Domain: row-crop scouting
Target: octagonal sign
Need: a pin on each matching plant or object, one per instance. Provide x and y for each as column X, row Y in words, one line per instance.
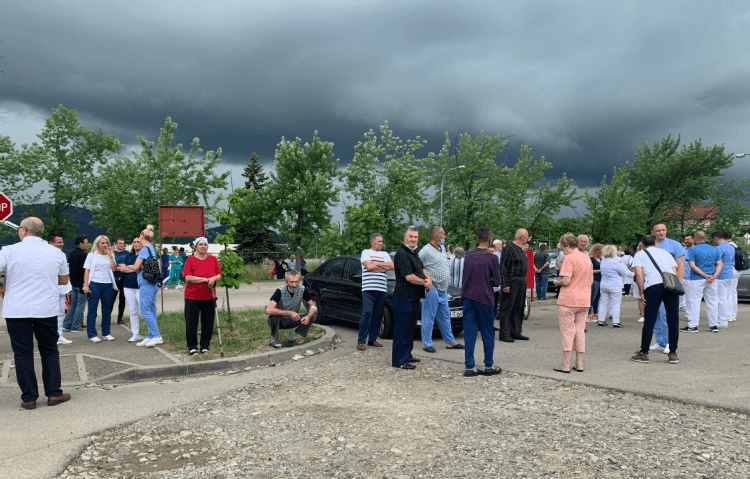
column 6, row 207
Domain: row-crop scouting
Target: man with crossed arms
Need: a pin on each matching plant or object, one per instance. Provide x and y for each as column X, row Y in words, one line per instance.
column 705, row 264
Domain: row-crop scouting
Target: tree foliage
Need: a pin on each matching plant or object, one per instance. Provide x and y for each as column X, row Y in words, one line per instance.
column 384, row 172
column 67, row 160
column 252, row 233
column 302, row 190
column 130, row 191
column 468, row 192
column 617, row 212
column 359, row 223
column 256, row 179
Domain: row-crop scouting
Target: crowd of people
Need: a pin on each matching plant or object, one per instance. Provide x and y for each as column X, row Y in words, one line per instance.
column 492, row 277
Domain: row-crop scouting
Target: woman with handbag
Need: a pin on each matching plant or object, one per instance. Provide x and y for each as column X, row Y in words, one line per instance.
column 657, row 283
column 99, row 285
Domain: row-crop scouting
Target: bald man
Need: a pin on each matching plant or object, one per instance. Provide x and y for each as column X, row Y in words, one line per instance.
column 513, row 268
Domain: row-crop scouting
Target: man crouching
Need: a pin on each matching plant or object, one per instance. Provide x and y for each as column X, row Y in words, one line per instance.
column 283, row 310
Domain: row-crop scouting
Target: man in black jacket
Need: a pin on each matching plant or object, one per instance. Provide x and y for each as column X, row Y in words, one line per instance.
column 76, row 258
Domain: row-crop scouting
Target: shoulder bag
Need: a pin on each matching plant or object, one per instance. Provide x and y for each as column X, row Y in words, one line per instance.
column 671, row 282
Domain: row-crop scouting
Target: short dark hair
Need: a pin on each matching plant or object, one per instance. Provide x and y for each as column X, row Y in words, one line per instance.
column 484, row 235
column 727, row 235
column 717, row 234
column 182, row 250
column 629, row 251
column 120, row 239
column 686, row 235
column 649, row 240
column 80, row 239
column 52, row 238
column 657, row 222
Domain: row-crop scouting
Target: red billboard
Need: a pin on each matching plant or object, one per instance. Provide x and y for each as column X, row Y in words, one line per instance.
column 181, row 221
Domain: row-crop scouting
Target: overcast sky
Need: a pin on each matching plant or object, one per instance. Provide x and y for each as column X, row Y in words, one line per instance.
column 582, row 83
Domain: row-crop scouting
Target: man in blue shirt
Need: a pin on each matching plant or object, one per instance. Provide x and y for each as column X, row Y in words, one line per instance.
column 661, row 331
column 705, row 267
column 724, row 279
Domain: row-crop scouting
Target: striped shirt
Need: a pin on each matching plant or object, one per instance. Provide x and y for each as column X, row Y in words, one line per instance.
column 374, row 281
column 436, row 264
column 513, row 264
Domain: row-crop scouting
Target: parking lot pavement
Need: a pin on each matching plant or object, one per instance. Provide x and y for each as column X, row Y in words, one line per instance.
column 713, row 368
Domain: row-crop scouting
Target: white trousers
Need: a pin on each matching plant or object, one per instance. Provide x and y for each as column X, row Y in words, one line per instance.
column 702, row 289
column 724, row 300
column 60, row 316
column 133, row 302
column 609, row 304
column 686, row 284
column 732, row 295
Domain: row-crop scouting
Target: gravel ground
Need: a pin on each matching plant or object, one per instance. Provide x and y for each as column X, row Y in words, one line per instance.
column 355, row 416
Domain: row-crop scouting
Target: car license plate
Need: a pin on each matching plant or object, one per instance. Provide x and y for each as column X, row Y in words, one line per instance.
column 457, row 313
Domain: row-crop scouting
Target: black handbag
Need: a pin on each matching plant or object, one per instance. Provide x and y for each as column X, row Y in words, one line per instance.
column 671, row 282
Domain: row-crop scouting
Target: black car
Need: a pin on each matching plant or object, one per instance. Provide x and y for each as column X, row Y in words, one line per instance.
column 336, row 289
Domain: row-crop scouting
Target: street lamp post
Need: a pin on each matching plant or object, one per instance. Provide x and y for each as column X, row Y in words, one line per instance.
column 741, row 155
column 441, row 191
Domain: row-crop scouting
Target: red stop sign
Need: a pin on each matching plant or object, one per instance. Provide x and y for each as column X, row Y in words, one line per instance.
column 6, row 207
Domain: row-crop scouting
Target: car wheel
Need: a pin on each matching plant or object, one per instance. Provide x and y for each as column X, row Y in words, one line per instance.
column 319, row 317
column 386, row 326
column 526, row 308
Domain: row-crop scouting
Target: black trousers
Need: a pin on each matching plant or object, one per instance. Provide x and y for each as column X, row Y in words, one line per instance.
column 626, row 289
column 119, row 294
column 511, row 307
column 203, row 308
column 22, row 332
column 285, row 322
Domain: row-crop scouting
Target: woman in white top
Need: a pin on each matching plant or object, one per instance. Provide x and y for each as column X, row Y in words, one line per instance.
column 99, row 284
column 613, row 273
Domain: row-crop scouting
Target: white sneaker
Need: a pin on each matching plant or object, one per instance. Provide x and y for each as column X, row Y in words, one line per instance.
column 109, row 337
column 95, row 339
column 732, row 319
column 654, row 347
column 666, row 349
column 723, row 326
column 158, row 340
column 136, row 337
column 145, row 342
column 178, row 287
column 641, row 320
column 62, row 340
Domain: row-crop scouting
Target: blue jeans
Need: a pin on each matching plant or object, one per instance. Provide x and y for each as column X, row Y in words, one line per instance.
column 661, row 331
column 594, row 309
column 100, row 292
column 656, row 299
column 74, row 316
column 147, row 298
column 435, row 306
column 404, row 322
column 542, row 280
column 482, row 317
column 373, row 303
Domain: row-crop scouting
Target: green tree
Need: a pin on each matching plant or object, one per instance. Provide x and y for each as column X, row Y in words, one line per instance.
column 360, row 223
column 252, row 234
column 468, row 192
column 525, row 200
column 384, row 172
column 256, row 179
column 617, row 212
column 15, row 177
column 67, row 161
column 302, row 190
column 129, row 191
column 677, row 178
column 231, row 263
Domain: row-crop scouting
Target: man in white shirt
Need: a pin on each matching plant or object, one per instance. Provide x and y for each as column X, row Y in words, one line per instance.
column 375, row 265
column 652, row 295
column 34, row 270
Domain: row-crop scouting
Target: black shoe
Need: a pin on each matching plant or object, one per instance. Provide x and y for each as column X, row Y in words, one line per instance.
column 519, row 337
column 430, row 349
column 640, row 357
column 602, row 323
column 491, row 371
column 618, row 325
column 471, row 372
column 713, row 329
column 456, row 346
column 507, row 339
column 120, row 321
column 192, row 351
column 688, row 329
column 413, row 360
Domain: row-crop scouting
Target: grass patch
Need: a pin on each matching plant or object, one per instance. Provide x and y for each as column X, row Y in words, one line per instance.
column 257, row 273
column 251, row 334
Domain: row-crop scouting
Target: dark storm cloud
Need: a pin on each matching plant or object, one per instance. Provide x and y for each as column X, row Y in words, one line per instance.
column 582, row 83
